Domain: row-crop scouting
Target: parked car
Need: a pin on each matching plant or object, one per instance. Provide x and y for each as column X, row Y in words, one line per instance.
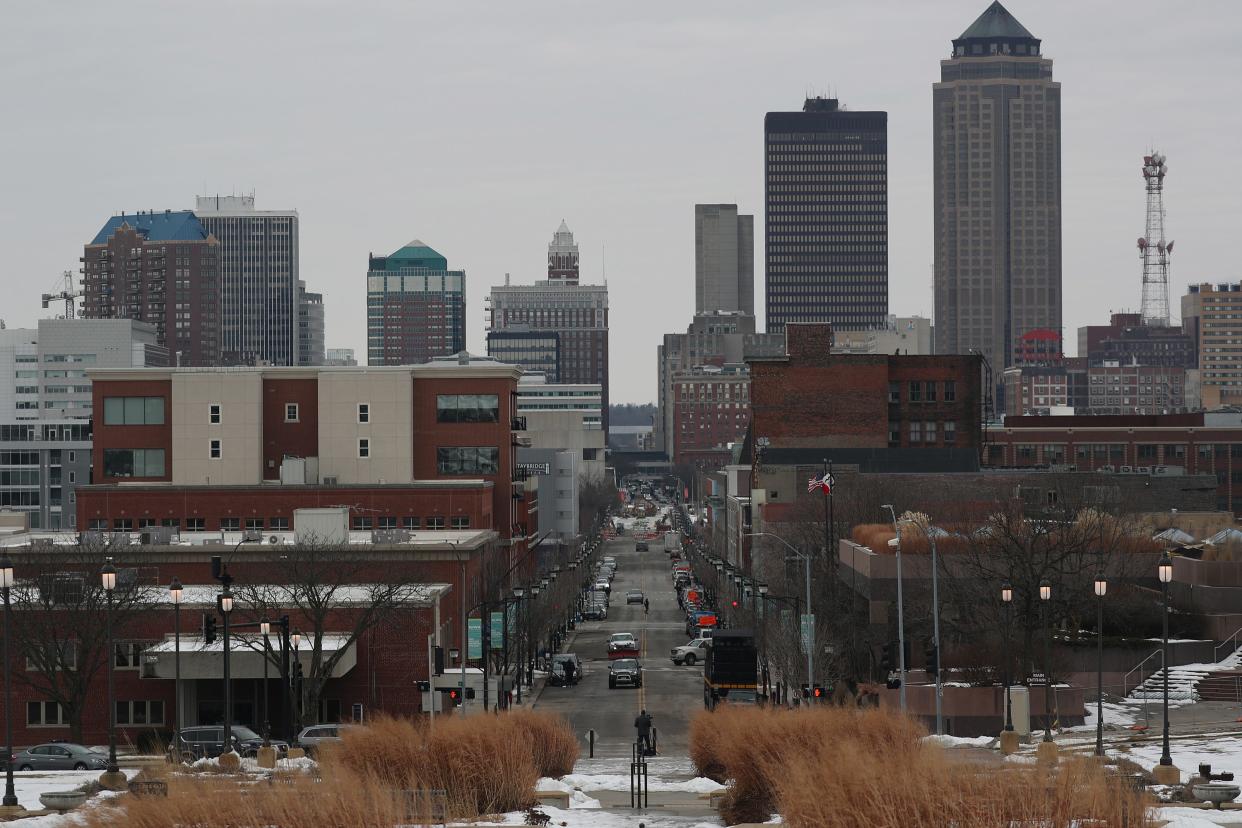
column 692, row 652
column 208, row 741
column 59, row 756
column 602, row 585
column 641, row 546
column 312, row 737
column 595, row 612
column 625, row 671
column 634, row 596
column 558, row 675
column 610, row 561
column 699, row 620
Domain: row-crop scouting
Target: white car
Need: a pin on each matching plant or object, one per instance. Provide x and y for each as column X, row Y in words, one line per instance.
column 622, row 641
column 691, row 653
column 603, row 586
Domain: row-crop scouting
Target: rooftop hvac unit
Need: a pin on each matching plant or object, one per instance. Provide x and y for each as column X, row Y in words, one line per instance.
column 1142, row 469
column 1126, row 470
column 1107, row 469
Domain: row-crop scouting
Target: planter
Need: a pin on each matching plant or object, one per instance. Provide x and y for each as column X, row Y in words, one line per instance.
column 1215, row 792
column 65, row 800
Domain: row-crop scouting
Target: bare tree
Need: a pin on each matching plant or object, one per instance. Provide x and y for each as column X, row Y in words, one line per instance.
column 596, row 495
column 333, row 590
column 60, row 616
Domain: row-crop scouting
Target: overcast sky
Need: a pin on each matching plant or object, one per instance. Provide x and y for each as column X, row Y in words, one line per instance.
column 478, row 126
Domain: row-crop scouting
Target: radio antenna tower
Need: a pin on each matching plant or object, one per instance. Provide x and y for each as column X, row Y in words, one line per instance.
column 1152, row 248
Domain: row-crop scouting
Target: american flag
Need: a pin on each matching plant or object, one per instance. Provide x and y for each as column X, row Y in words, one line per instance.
column 825, row 483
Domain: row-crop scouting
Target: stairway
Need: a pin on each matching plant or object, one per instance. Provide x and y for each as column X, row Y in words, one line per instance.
column 1220, row 685
column 1186, row 681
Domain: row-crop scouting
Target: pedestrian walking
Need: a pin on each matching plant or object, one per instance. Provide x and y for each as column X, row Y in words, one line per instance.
column 646, row 605
column 643, row 725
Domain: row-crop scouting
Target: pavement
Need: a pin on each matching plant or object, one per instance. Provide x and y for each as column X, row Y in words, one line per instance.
column 671, row 694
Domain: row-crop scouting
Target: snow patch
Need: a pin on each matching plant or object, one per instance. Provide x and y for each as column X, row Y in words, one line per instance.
column 960, row 741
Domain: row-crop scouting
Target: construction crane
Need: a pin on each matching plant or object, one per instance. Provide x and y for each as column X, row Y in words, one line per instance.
column 67, row 294
column 1153, row 249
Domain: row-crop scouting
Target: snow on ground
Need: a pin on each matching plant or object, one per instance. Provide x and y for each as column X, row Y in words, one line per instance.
column 619, row 782
column 1223, row 753
column 1115, row 715
column 1196, row 818
column 29, row 784
column 960, row 741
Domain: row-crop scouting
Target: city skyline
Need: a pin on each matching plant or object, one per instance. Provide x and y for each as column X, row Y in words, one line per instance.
column 485, row 184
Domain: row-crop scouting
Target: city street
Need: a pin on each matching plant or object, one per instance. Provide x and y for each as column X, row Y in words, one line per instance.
column 671, row 694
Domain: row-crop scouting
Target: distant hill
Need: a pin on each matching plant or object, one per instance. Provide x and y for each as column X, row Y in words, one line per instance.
column 627, row 414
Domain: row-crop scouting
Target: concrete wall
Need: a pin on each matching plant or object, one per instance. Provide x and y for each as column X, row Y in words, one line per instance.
column 240, row 430
column 389, row 397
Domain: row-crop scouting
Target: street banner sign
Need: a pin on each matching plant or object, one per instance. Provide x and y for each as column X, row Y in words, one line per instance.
column 474, row 638
column 808, row 631
column 498, row 630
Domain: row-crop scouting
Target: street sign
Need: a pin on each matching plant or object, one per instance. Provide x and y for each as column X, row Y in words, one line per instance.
column 498, row 630
column 474, row 638
column 808, row 631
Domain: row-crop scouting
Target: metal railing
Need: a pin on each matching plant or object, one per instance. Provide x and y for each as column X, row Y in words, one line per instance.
column 1231, row 640
column 1143, row 676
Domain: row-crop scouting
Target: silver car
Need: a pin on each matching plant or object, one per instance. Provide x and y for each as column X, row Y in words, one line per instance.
column 59, row 756
column 312, row 737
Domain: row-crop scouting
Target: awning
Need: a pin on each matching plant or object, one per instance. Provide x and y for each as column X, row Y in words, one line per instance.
column 206, row 661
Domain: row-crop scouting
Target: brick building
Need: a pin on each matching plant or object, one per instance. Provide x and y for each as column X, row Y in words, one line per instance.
column 711, row 409
column 813, row 398
column 416, row 307
column 376, row 673
column 161, row 268
column 1126, row 339
column 427, row 446
column 1162, row 445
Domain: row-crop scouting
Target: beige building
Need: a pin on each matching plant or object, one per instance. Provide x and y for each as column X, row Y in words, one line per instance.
column 997, row 169
column 1212, row 315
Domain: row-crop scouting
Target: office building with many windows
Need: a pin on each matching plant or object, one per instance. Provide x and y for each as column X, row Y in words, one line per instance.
column 826, row 185
column 724, row 259
column 534, row 350
column 416, row 307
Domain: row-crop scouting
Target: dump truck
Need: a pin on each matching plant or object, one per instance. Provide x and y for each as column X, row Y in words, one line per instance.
column 731, row 668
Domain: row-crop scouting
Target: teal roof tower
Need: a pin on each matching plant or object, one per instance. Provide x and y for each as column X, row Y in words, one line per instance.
column 996, row 31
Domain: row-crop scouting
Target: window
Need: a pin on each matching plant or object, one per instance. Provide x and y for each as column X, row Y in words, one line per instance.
column 916, row 432
column 929, row 431
column 929, row 391
column 894, row 432
column 195, row 524
column 467, row 460
column 388, row 523
column 950, row 390
column 133, row 411
column 127, row 655
column 410, row 522
column 950, row 431
column 1146, row 451
column 894, row 392
column 171, row 523
column 254, row 524
column 291, row 412
column 62, row 655
column 73, row 477
column 97, row 525
column 279, row 524
column 140, row 712
column 916, row 391
column 215, row 450
column 364, row 447
column 461, row 521
column 45, row 714
column 133, row 462
column 435, row 523
column 364, row 412
column 230, row 524
column 467, row 408
column 213, row 413
column 363, row 523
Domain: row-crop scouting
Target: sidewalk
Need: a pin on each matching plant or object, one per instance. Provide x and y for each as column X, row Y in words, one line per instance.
column 530, row 695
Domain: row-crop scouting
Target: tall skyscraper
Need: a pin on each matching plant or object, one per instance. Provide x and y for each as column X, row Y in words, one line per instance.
column 997, row 167
column 579, row 313
column 416, row 307
column 162, row 268
column 724, row 259
column 310, row 326
column 826, row 185
column 258, row 279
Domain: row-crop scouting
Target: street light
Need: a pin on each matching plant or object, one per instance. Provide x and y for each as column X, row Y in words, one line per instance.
column 6, row 583
column 518, row 592
column 175, row 593
column 1165, row 571
column 1101, row 588
column 1045, row 595
column 265, row 627
column 225, row 600
column 1007, row 599
column 901, row 621
column 107, row 578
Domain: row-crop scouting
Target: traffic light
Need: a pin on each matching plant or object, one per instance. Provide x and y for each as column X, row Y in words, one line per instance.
column 818, row 691
column 297, row 671
column 933, row 658
column 886, row 657
column 454, row 697
column 469, row 693
column 424, row 686
column 735, row 603
column 209, row 628
column 439, row 661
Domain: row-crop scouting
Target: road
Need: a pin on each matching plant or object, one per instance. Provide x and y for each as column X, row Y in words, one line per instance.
column 671, row 694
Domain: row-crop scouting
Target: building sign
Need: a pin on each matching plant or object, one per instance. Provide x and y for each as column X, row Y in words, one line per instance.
column 533, row 469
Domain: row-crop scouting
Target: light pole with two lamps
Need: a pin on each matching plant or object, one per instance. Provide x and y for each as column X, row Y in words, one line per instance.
column 1009, row 737
column 175, row 594
column 224, row 602
column 901, row 621
column 1047, row 750
column 112, row 778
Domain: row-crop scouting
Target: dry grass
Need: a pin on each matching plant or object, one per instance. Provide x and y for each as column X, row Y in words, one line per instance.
column 485, row 765
column 834, row 767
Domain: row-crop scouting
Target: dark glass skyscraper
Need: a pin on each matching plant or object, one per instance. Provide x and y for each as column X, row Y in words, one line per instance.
column 826, row 185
